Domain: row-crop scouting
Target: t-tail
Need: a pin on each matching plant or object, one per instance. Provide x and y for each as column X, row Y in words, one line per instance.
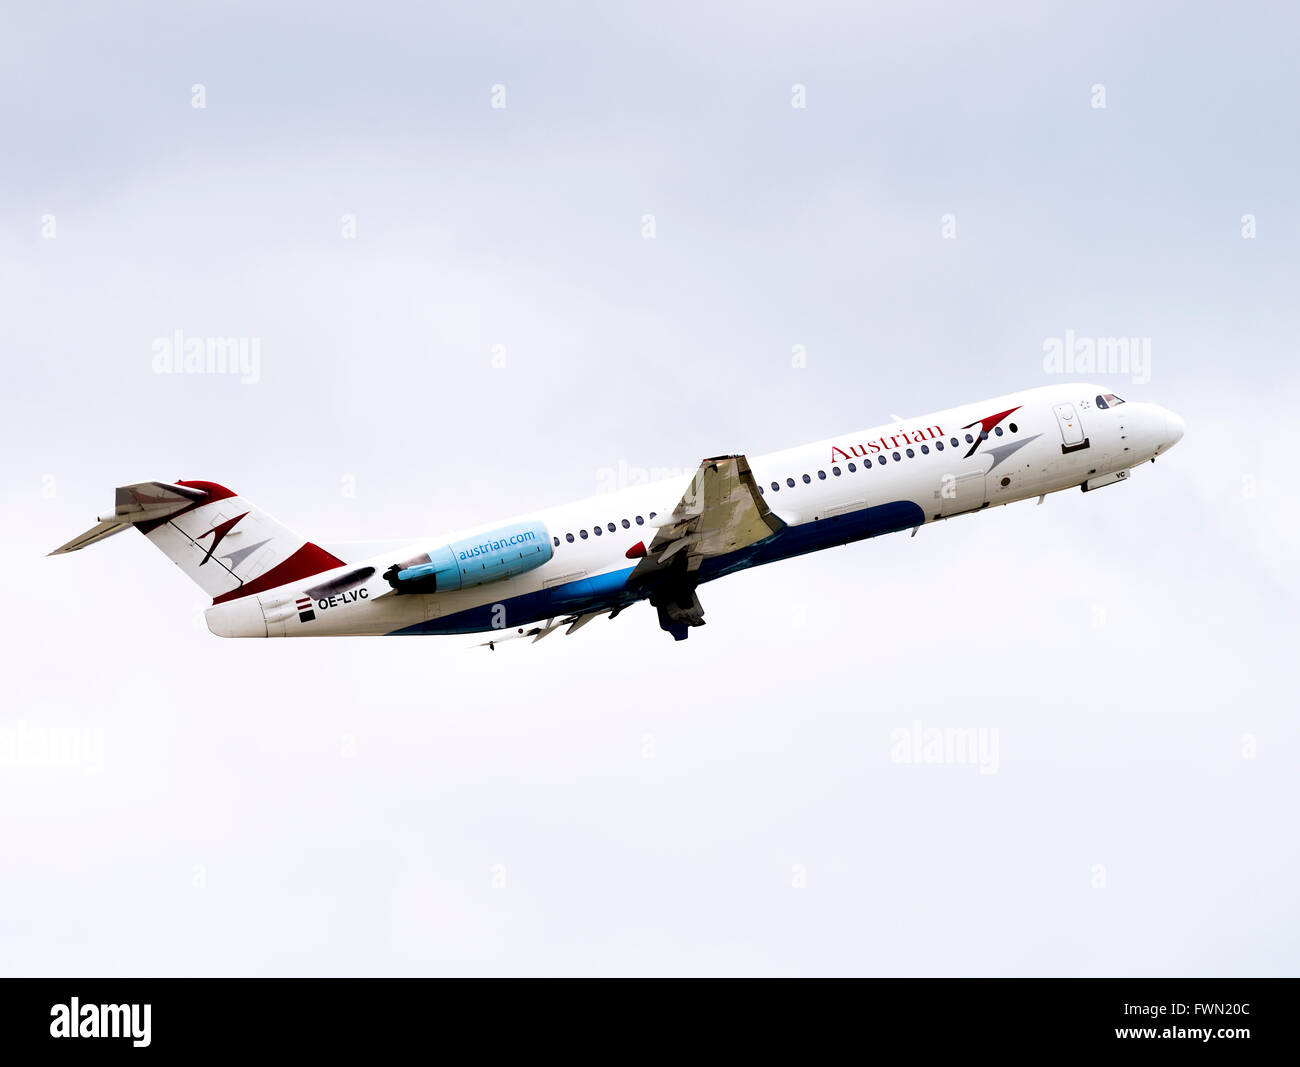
column 228, row 546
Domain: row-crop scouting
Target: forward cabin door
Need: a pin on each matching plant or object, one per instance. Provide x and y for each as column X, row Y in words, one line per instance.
column 1072, row 437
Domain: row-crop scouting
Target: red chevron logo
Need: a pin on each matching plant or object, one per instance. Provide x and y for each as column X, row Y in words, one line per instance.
column 986, row 427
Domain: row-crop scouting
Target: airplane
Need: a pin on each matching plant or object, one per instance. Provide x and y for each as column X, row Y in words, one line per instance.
column 562, row 567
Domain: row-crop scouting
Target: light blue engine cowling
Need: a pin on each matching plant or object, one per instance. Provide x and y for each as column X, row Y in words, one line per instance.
column 486, row 557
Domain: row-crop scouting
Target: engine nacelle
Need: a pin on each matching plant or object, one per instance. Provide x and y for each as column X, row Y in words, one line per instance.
column 486, row 557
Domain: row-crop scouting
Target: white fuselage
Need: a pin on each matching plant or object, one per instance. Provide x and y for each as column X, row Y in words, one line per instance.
column 849, row 487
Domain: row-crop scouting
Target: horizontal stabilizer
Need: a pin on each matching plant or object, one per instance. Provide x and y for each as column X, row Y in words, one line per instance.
column 95, row 533
column 142, row 502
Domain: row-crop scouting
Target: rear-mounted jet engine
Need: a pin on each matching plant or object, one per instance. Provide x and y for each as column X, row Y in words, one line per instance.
column 477, row 560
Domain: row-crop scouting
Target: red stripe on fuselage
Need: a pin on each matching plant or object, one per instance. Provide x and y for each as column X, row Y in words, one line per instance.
column 307, row 561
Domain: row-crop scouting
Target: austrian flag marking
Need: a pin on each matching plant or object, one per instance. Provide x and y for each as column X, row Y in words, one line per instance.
column 305, row 613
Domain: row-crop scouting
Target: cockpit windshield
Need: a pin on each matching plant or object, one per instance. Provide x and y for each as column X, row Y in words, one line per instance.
column 1109, row 400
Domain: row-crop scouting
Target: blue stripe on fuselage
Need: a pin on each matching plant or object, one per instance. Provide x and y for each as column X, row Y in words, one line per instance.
column 572, row 598
column 606, row 590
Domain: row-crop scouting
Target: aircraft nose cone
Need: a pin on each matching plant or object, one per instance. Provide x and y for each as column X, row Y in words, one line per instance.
column 1173, row 429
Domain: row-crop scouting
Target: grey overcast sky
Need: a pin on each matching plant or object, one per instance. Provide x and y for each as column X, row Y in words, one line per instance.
column 500, row 327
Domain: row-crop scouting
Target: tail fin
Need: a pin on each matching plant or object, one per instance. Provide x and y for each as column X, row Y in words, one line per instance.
column 227, row 545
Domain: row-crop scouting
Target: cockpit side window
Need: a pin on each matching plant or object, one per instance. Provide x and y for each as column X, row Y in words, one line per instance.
column 1109, row 400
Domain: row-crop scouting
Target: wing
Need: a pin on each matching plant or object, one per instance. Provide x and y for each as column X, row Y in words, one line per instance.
column 540, row 629
column 722, row 512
